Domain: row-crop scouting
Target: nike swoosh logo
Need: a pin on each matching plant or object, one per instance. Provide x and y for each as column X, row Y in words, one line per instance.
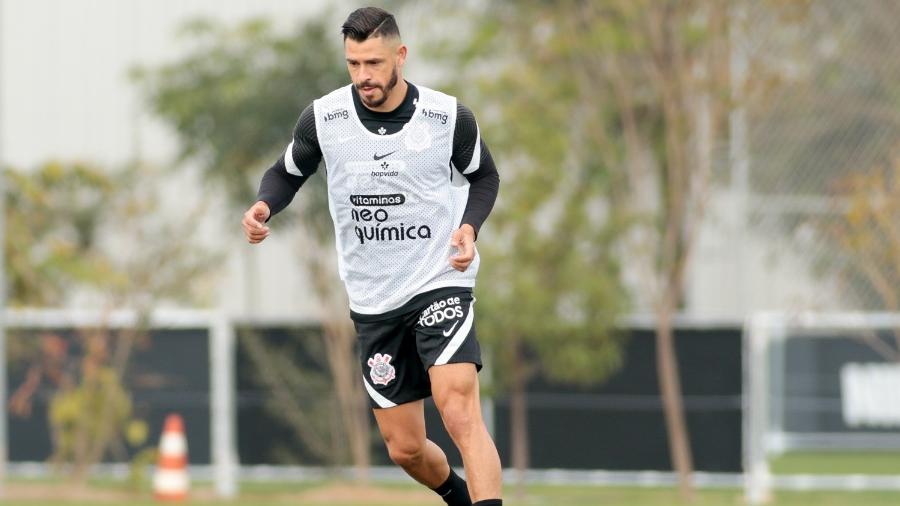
column 382, row 156
column 448, row 332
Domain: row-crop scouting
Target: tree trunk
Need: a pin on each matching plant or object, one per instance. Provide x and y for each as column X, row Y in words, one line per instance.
column 340, row 340
column 670, row 387
column 124, row 345
column 282, row 378
column 518, row 406
column 92, row 446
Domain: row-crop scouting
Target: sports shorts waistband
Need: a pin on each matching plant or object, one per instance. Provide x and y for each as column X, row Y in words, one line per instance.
column 414, row 304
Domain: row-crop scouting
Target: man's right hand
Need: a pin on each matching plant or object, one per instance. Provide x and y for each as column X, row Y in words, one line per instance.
column 254, row 222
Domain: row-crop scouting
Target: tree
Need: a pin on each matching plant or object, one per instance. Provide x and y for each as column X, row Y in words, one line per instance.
column 76, row 229
column 867, row 239
column 233, row 101
column 53, row 215
column 836, row 75
column 68, row 227
column 550, row 283
column 627, row 100
column 836, row 171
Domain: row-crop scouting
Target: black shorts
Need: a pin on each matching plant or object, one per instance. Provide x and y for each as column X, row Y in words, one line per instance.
column 398, row 347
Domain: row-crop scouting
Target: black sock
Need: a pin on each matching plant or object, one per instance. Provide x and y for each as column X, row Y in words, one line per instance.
column 454, row 491
column 489, row 502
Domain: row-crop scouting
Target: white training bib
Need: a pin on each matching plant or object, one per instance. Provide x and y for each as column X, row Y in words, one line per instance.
column 392, row 200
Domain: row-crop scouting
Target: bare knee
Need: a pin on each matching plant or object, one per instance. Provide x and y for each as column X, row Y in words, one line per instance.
column 406, row 453
column 461, row 418
column 455, row 389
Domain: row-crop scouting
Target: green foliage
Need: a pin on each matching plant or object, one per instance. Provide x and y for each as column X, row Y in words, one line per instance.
column 162, row 259
column 301, row 398
column 838, row 110
column 137, row 432
column 866, row 236
column 137, row 469
column 90, row 410
column 53, row 217
column 74, row 229
column 233, row 101
column 77, row 227
column 72, row 414
column 550, row 275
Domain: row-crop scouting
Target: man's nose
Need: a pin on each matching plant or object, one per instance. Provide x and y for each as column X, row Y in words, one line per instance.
column 365, row 73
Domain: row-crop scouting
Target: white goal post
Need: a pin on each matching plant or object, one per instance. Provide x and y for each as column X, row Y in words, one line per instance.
column 223, row 438
column 864, row 404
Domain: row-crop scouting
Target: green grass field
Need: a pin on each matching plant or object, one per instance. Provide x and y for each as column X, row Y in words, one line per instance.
column 837, row 463
column 332, row 493
column 340, row 494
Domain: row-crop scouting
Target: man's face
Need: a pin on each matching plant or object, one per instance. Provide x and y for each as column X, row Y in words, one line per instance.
column 374, row 66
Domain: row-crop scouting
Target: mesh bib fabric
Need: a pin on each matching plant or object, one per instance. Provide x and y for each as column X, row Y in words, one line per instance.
column 393, row 200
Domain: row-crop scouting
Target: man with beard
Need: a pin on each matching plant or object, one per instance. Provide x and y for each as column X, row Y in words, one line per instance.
column 410, row 181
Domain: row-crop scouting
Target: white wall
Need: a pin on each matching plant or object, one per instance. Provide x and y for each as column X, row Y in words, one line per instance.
column 65, row 94
column 739, row 270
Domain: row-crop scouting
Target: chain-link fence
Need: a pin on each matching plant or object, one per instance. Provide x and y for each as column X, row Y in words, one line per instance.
column 806, row 215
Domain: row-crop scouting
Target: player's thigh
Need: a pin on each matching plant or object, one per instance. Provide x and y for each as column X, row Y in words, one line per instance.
column 455, row 390
column 455, row 387
column 402, row 425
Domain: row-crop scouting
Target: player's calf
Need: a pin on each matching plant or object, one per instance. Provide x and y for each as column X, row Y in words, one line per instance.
column 455, row 389
column 414, row 459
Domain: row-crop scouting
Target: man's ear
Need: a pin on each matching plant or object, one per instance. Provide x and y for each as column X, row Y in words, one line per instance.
column 401, row 54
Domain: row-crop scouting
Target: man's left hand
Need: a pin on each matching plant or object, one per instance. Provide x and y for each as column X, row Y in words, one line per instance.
column 463, row 240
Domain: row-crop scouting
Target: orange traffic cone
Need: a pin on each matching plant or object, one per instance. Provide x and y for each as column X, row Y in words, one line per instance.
column 170, row 481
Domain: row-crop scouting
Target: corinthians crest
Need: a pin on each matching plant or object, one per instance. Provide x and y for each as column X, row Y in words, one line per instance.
column 381, row 372
column 419, row 136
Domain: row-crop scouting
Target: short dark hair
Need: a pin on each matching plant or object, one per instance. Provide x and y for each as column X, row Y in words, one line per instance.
column 369, row 22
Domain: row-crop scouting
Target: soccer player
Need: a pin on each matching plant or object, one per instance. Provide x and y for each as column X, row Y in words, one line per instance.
column 410, row 181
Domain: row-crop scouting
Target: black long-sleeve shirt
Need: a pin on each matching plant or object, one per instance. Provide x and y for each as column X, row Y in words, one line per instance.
column 278, row 186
